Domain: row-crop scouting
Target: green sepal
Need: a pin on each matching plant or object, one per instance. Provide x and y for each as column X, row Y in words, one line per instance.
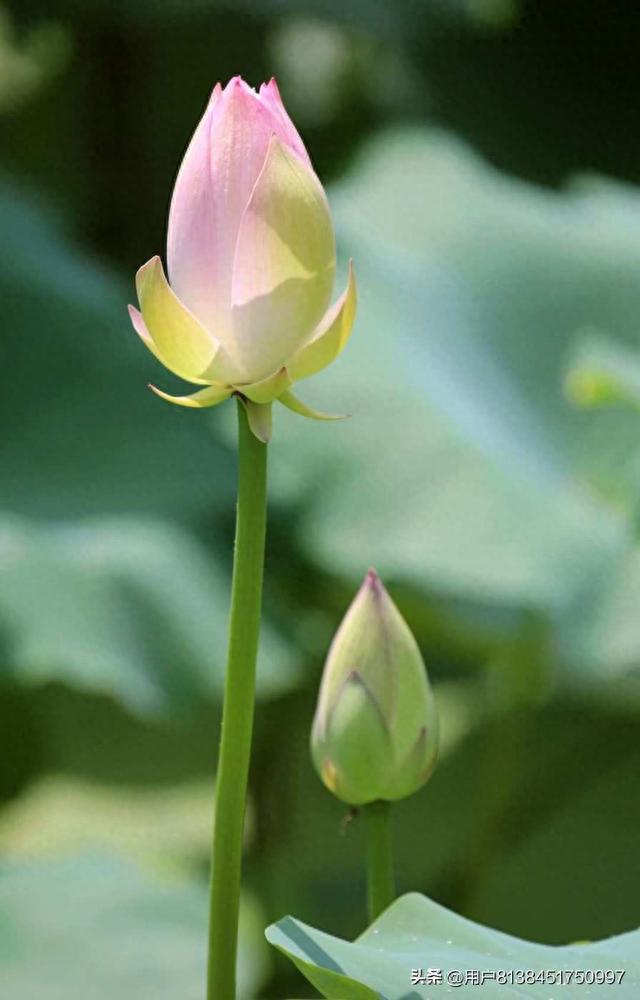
column 259, row 417
column 210, row 396
column 292, row 402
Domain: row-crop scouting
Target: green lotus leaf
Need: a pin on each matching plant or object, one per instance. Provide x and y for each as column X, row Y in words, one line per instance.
column 416, row 935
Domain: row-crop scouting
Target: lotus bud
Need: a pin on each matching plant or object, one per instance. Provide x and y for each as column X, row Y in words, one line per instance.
column 375, row 733
column 251, row 260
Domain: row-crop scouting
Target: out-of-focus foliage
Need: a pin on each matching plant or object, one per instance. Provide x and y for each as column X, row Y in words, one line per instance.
column 603, row 372
column 126, row 607
column 470, row 311
column 60, row 815
column 502, row 516
column 93, row 927
column 64, row 310
column 26, row 67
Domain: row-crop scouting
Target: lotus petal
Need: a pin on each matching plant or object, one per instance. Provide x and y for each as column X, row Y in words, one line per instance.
column 284, row 264
column 181, row 342
column 330, row 337
column 213, row 187
column 268, row 389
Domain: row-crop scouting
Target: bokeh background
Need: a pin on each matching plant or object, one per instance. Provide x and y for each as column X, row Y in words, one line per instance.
column 481, row 158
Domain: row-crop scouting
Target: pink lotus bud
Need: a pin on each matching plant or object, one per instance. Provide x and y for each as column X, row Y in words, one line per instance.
column 251, row 261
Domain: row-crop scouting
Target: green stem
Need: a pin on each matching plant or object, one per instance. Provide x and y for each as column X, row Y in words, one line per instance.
column 237, row 715
column 380, row 878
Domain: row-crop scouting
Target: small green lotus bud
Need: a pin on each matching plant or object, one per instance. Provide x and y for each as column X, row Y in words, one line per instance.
column 375, row 733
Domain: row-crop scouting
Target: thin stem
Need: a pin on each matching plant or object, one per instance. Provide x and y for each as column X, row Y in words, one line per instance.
column 380, row 878
column 237, row 715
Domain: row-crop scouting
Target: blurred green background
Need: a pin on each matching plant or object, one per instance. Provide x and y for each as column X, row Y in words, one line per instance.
column 481, row 158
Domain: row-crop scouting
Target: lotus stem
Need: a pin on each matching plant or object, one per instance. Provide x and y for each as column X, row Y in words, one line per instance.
column 238, row 712
column 380, row 875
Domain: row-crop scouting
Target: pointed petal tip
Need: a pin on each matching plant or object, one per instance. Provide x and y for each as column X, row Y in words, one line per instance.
column 275, row 142
column 145, row 269
column 291, row 401
column 373, row 584
column 152, row 262
column 271, row 91
column 215, row 93
column 138, row 323
column 271, row 99
column 372, row 579
column 278, row 146
column 211, row 395
column 140, row 327
column 351, row 291
column 239, row 89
